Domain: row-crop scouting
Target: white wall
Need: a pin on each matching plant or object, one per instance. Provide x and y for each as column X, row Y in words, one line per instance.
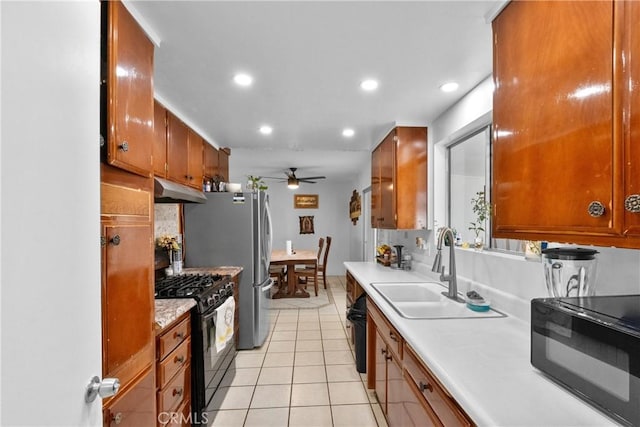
column 330, row 219
column 50, row 225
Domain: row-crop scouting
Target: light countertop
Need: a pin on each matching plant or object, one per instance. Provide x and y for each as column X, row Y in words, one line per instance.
column 484, row 363
column 223, row 270
column 168, row 310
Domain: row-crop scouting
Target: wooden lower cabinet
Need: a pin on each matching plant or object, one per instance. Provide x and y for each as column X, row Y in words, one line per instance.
column 173, row 371
column 408, row 393
column 133, row 408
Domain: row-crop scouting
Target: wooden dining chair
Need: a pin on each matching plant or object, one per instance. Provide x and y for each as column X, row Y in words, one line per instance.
column 278, row 273
column 322, row 268
column 309, row 272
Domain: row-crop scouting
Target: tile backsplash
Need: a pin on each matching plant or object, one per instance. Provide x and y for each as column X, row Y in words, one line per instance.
column 167, row 219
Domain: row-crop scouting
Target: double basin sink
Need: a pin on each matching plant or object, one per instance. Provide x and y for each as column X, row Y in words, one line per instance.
column 424, row 300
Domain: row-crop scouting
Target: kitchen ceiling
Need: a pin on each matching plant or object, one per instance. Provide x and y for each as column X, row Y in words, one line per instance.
column 307, row 60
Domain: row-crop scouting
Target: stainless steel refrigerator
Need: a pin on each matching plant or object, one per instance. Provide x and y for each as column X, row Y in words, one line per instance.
column 234, row 229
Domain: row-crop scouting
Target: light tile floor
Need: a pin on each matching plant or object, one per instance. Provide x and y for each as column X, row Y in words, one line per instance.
column 304, row 374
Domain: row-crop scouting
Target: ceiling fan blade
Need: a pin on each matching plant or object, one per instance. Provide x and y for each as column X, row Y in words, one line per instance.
column 313, row 177
column 306, row 181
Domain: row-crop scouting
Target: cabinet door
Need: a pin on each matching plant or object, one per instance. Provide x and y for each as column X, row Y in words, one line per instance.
column 159, row 140
column 223, row 163
column 134, row 407
column 195, row 158
column 396, row 412
column 553, row 152
column 210, row 160
column 381, row 371
column 177, row 149
column 376, row 211
column 387, row 156
column 411, row 178
column 128, row 304
column 129, row 92
column 419, row 413
column 631, row 48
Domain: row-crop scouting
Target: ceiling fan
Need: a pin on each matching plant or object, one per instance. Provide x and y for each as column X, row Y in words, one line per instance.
column 293, row 181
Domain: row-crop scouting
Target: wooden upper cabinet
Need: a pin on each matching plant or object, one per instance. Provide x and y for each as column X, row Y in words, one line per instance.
column 195, row 160
column 177, row 149
column 129, row 92
column 210, row 160
column 631, row 102
column 223, row 163
column 564, row 122
column 159, row 140
column 399, row 180
column 387, row 218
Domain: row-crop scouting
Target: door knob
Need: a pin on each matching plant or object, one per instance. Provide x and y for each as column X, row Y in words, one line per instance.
column 105, row 388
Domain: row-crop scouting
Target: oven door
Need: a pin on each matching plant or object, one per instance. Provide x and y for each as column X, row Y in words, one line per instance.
column 215, row 363
column 599, row 362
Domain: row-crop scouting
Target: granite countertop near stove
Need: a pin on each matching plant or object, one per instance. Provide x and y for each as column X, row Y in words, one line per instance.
column 222, row 270
column 168, row 310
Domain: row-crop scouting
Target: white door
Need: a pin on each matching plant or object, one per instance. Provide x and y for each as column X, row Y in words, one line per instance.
column 50, row 208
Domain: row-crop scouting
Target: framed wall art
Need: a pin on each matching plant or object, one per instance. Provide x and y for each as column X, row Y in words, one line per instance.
column 306, row 225
column 305, row 201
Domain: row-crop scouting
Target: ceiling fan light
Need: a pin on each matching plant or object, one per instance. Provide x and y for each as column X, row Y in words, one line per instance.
column 293, row 183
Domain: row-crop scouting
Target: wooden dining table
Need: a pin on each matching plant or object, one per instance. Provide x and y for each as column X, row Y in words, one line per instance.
column 299, row 256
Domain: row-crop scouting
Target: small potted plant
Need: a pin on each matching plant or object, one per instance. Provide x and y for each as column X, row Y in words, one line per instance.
column 170, row 244
column 482, row 208
column 256, row 183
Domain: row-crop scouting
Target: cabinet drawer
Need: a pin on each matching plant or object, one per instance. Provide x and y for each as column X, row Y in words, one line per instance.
column 385, row 329
column 176, row 360
column 449, row 413
column 172, row 338
column 175, row 392
column 180, row 418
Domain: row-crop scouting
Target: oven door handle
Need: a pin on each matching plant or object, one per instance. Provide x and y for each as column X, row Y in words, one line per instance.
column 209, row 318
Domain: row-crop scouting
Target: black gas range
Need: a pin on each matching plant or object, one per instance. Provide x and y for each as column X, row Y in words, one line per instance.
column 208, row 365
column 209, row 290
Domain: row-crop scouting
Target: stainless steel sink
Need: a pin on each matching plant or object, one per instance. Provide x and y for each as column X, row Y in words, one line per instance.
column 424, row 300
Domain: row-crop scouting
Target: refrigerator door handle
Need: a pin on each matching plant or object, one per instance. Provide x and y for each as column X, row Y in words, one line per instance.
column 268, row 286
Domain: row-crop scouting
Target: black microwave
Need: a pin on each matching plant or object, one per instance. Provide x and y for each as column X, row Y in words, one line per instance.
column 591, row 346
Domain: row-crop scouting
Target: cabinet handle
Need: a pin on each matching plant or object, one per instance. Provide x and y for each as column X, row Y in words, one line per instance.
column 596, row 209
column 178, row 335
column 383, row 350
column 117, row 418
column 115, row 240
column 632, row 203
column 393, row 336
column 388, row 357
column 178, row 359
column 426, row 386
column 189, row 177
column 177, row 391
column 124, row 146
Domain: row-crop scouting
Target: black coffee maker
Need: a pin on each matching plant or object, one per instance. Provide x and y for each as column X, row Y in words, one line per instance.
column 398, row 255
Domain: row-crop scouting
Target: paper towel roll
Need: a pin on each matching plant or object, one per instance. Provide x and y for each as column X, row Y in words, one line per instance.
column 288, row 247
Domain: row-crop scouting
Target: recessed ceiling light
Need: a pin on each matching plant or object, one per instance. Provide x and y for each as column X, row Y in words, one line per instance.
column 266, row 130
column 243, row 79
column 449, row 87
column 348, row 133
column 369, row 85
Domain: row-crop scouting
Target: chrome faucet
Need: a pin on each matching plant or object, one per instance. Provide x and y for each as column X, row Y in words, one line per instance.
column 439, row 268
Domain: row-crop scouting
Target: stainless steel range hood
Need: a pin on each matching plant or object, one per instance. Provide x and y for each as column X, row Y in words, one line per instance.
column 171, row 192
